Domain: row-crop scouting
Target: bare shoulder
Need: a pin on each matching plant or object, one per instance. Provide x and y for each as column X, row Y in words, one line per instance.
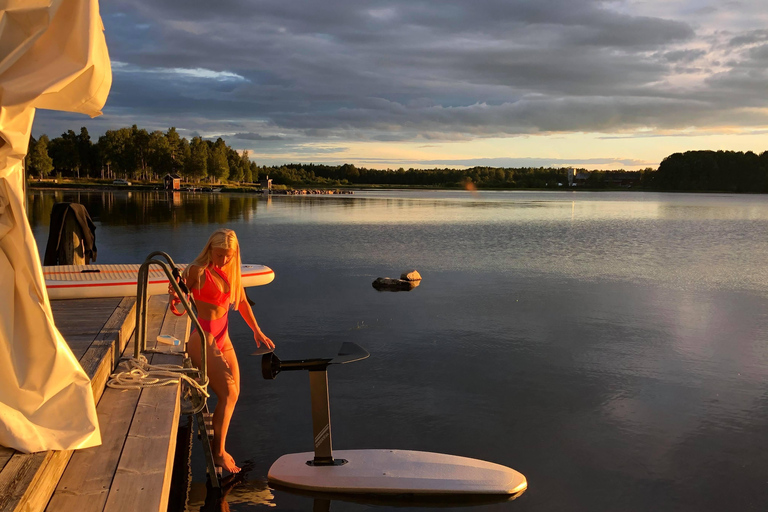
column 195, row 276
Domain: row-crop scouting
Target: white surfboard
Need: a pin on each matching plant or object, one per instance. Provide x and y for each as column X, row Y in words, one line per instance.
column 94, row 281
column 397, row 472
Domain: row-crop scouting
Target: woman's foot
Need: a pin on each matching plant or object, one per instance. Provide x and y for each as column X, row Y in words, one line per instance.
column 226, row 461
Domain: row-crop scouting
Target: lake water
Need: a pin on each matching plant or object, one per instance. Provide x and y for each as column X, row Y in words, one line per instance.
column 609, row 346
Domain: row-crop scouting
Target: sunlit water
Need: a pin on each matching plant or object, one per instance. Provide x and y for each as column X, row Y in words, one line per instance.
column 610, row 346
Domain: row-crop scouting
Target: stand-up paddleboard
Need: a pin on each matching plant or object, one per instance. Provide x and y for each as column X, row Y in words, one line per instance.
column 380, row 472
column 397, row 472
column 95, row 281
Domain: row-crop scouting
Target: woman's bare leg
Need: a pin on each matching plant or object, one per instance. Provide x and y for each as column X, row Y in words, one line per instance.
column 222, row 415
column 224, row 380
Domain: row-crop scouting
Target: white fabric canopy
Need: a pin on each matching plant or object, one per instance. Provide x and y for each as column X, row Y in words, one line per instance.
column 54, row 56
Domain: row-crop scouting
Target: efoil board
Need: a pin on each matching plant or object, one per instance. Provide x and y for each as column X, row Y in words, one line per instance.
column 397, row 472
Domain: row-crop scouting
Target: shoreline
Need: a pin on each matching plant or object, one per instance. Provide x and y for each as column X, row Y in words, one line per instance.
column 52, row 184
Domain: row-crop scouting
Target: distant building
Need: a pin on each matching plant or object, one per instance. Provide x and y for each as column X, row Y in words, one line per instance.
column 580, row 178
column 172, row 182
column 266, row 185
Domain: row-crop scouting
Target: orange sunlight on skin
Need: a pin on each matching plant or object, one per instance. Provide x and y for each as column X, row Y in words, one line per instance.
column 221, row 257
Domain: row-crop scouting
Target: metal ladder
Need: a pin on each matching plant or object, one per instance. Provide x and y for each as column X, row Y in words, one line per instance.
column 142, row 298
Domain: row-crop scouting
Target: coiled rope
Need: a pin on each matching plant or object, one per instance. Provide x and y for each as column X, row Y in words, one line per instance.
column 139, row 374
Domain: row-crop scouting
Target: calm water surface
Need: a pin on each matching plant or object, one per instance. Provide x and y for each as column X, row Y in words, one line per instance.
column 610, row 346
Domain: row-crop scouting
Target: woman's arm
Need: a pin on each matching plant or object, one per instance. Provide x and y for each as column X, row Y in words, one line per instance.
column 191, row 281
column 247, row 313
column 193, row 277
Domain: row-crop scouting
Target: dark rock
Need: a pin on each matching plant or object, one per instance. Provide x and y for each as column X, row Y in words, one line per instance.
column 394, row 285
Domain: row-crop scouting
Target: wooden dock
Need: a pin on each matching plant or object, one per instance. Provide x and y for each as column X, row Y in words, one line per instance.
column 132, row 468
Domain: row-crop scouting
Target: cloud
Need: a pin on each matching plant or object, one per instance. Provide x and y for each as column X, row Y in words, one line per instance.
column 527, row 162
column 684, row 55
column 256, row 136
column 275, row 73
column 749, row 38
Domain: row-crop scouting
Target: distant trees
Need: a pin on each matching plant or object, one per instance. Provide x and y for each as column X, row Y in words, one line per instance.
column 728, row 171
column 38, row 161
column 136, row 153
column 484, row 177
column 218, row 165
column 197, row 167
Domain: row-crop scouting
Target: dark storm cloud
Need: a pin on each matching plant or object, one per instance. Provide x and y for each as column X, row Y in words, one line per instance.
column 684, row 55
column 256, row 136
column 275, row 73
column 751, row 37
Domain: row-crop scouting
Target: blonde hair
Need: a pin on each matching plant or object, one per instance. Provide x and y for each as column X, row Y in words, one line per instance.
column 223, row 239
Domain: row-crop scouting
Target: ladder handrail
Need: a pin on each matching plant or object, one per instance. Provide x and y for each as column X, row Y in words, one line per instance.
column 142, row 300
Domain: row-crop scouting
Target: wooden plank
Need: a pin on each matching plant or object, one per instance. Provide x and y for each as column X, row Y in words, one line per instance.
column 101, row 358
column 143, row 477
column 79, row 343
column 72, row 313
column 114, row 332
column 156, row 312
column 85, row 484
column 139, row 485
column 147, row 480
column 15, row 478
column 178, row 327
column 122, row 322
column 132, row 469
column 28, row 479
column 78, row 320
column 82, row 316
column 5, row 455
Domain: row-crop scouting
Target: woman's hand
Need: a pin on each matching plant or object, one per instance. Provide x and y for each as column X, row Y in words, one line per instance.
column 174, row 300
column 260, row 338
column 172, row 291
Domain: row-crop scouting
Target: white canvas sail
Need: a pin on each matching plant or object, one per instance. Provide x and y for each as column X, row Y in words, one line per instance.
column 54, row 56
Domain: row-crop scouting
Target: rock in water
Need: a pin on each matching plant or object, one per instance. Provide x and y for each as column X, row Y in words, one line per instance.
column 413, row 275
column 394, row 285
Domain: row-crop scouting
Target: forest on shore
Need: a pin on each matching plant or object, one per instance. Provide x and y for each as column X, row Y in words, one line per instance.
column 134, row 153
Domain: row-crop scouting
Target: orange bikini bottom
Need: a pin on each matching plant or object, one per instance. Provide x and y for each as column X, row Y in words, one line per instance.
column 217, row 327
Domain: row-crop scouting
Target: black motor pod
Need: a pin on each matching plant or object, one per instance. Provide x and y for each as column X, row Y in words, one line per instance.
column 270, row 365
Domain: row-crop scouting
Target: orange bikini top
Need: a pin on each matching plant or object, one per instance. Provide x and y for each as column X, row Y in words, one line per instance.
column 211, row 293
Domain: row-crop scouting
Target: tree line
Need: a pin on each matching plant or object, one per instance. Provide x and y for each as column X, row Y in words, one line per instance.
column 723, row 171
column 727, row 171
column 138, row 154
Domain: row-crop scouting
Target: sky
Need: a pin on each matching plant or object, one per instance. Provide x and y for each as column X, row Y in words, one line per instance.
column 450, row 83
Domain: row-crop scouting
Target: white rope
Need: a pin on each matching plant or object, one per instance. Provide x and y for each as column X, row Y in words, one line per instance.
column 140, row 374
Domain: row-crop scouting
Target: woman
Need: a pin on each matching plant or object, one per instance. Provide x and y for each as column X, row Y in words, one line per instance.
column 214, row 281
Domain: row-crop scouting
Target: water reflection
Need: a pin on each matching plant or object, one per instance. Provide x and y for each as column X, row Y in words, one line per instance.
column 238, row 491
column 323, row 502
column 144, row 207
column 234, row 490
column 609, row 346
column 147, row 207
